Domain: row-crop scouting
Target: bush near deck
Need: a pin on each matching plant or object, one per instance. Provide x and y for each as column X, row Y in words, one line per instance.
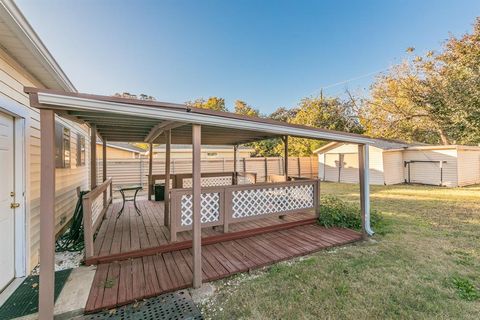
column 424, row 264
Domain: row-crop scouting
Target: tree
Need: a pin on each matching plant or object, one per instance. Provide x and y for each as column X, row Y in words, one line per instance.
column 433, row 98
column 284, row 114
column 242, row 107
column 212, row 103
column 325, row 113
column 141, row 96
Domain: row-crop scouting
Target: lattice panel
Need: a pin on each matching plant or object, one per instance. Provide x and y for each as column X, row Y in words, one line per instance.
column 210, row 208
column 264, row 201
column 246, row 180
column 210, row 181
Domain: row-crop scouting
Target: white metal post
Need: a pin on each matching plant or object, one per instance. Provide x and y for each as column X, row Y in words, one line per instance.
column 364, row 175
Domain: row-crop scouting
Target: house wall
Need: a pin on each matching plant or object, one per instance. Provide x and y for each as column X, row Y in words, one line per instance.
column 429, row 173
column 114, row 153
column 13, row 78
column 329, row 162
column 393, row 167
column 468, row 162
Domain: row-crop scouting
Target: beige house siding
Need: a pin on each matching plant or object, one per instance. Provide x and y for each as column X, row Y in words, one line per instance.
column 468, row 167
column 393, row 167
column 13, row 78
column 429, row 172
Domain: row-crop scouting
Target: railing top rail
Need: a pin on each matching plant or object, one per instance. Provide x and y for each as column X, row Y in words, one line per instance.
column 272, row 184
column 204, row 190
column 98, row 189
column 248, row 186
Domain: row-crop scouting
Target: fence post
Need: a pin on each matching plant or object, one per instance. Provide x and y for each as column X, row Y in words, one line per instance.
column 266, row 168
column 299, row 168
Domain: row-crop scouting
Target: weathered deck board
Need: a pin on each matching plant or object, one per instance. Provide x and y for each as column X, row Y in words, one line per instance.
column 120, row 283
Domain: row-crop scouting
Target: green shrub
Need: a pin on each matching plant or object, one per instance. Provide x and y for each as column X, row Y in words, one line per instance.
column 335, row 212
column 465, row 289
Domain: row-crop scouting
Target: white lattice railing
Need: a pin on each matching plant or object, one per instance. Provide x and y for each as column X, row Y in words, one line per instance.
column 222, row 205
column 209, row 181
column 271, row 200
column 95, row 205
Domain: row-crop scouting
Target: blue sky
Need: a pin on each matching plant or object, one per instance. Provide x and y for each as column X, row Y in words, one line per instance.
column 267, row 53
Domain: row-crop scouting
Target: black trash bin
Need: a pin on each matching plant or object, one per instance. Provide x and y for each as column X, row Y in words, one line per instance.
column 159, row 192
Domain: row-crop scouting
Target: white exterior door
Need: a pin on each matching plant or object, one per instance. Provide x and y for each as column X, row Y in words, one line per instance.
column 7, row 227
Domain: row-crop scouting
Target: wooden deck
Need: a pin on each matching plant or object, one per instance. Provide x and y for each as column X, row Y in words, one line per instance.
column 121, row 282
column 131, row 232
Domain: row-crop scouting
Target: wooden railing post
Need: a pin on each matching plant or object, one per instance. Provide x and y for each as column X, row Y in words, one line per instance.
column 316, row 200
column 87, row 226
column 227, row 208
column 175, row 214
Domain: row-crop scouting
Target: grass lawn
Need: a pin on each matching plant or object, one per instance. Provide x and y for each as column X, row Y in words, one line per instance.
column 423, row 263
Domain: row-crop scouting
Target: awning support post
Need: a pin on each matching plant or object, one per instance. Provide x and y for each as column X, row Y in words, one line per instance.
column 47, row 215
column 364, row 175
column 104, row 170
column 150, row 169
column 93, row 156
column 168, row 146
column 285, row 157
column 196, row 195
column 235, row 159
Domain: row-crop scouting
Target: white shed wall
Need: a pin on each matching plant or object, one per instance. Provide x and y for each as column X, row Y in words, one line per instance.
column 468, row 162
column 329, row 162
column 393, row 167
column 429, row 173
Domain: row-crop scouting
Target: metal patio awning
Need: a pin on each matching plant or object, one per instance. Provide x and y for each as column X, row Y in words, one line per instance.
column 130, row 120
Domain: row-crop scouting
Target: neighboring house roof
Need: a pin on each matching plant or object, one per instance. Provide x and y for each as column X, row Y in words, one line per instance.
column 21, row 42
column 384, row 144
column 123, row 146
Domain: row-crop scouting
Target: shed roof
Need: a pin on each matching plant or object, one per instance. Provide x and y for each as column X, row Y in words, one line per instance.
column 123, row 146
column 131, row 120
column 384, row 144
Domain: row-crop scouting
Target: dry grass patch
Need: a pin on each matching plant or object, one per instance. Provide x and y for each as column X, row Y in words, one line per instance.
column 424, row 263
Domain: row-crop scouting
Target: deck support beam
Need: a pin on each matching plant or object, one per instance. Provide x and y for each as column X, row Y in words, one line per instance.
column 151, row 183
column 364, row 175
column 196, row 197
column 285, row 157
column 47, row 214
column 93, row 156
column 168, row 147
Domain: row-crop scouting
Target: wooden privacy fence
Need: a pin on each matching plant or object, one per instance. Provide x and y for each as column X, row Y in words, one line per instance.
column 135, row 171
column 222, row 205
column 95, row 205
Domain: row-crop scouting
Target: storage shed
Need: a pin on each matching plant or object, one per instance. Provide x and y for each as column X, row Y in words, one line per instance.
column 393, row 162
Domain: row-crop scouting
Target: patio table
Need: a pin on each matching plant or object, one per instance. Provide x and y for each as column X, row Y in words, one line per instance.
column 122, row 190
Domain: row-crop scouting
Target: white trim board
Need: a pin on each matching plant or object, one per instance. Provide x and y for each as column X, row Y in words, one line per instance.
column 20, row 115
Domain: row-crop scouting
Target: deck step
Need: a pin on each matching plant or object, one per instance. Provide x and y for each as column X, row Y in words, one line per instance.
column 181, row 245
